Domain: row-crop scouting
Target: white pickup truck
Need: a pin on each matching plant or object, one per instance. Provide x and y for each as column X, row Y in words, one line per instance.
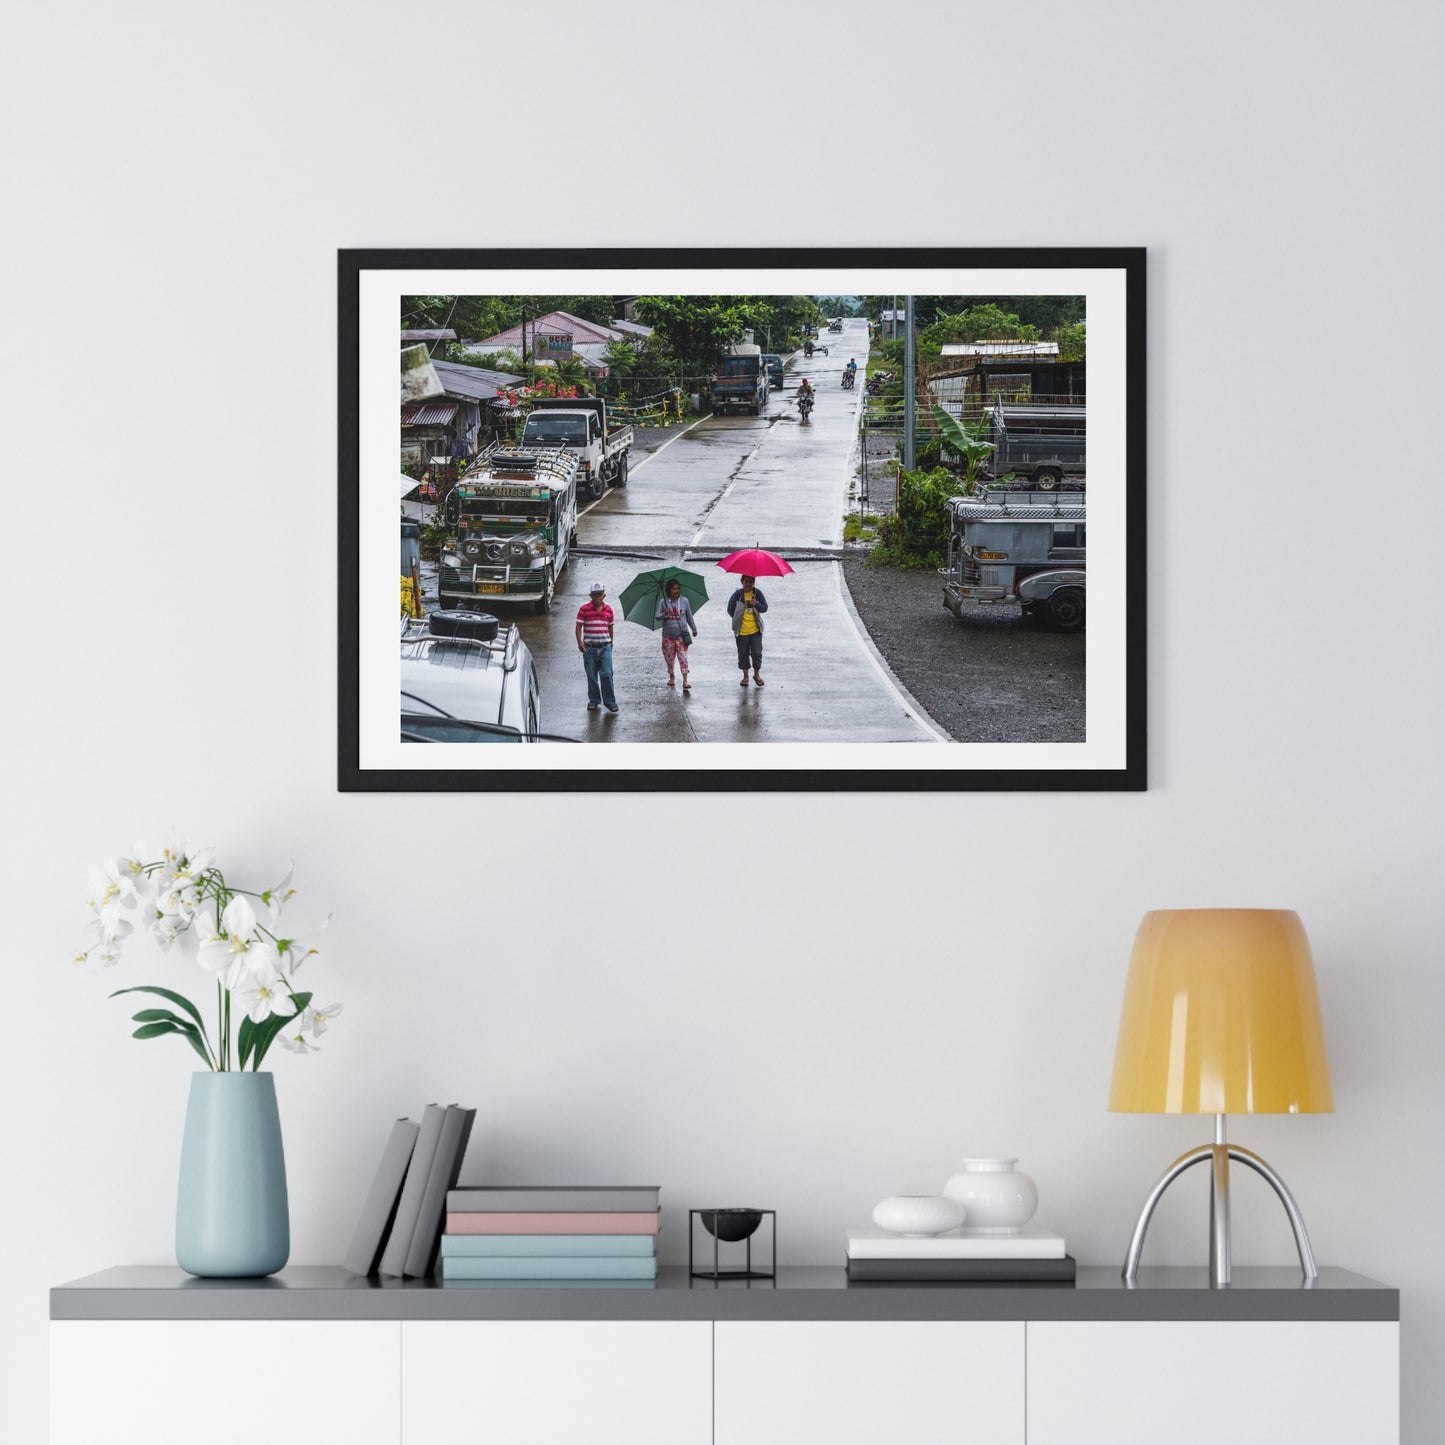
column 580, row 424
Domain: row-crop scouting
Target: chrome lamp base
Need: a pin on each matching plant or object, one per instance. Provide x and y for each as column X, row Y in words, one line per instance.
column 1219, row 1154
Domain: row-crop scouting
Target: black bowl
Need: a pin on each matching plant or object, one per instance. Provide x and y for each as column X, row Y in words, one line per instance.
column 731, row 1225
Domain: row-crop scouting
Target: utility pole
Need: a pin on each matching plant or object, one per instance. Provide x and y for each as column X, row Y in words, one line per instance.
column 908, row 401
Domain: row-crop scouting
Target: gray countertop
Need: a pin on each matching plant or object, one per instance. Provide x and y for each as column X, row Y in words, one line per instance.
column 799, row 1293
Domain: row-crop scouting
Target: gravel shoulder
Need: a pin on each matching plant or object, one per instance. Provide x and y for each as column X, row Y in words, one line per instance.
column 990, row 677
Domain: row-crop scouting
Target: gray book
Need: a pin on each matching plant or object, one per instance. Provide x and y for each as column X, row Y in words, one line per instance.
column 554, row 1199
column 446, row 1165
column 963, row 1271
column 408, row 1207
column 380, row 1207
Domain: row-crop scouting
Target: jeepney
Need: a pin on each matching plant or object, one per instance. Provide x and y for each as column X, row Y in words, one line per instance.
column 1024, row 547
column 513, row 519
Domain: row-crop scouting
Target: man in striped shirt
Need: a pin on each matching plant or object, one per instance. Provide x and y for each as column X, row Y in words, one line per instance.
column 594, row 642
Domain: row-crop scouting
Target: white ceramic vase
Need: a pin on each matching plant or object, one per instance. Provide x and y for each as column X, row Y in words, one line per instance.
column 997, row 1198
column 916, row 1216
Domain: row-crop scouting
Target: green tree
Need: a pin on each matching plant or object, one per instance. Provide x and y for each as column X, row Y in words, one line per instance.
column 693, row 330
column 622, row 358
column 1071, row 342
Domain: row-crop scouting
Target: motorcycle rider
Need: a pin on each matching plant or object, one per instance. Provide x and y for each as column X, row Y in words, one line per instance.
column 852, row 365
column 807, row 348
column 806, row 398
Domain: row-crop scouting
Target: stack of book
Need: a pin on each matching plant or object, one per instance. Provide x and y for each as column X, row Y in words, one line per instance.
column 531, row 1232
column 1032, row 1256
column 401, row 1221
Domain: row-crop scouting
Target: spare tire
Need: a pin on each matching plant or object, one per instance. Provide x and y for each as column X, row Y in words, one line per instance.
column 457, row 623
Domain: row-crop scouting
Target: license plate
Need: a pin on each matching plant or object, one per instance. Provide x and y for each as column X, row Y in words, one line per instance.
column 491, row 587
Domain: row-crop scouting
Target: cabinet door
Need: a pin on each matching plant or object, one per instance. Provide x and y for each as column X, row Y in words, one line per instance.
column 1197, row 1383
column 557, row 1382
column 224, row 1382
column 869, row 1383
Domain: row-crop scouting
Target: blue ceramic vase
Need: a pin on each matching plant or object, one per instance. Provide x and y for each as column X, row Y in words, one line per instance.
column 231, row 1217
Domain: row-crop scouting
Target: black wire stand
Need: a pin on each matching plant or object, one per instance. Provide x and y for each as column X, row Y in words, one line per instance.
column 722, row 1271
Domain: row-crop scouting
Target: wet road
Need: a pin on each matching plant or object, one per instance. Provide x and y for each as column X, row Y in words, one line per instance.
column 726, row 483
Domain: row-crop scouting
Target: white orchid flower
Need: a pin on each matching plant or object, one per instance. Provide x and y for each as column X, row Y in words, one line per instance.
column 135, row 864
column 291, row 953
column 230, row 949
column 190, row 866
column 168, row 927
column 113, row 888
column 176, row 909
column 316, row 1020
column 107, row 953
column 293, row 1037
column 279, row 894
column 261, row 1000
column 264, row 962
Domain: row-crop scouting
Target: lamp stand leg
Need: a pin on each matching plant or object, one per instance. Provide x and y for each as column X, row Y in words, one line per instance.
column 1219, row 1154
column 1219, row 1260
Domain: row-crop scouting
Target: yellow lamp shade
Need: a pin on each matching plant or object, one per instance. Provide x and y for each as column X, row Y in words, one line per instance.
column 1221, row 1016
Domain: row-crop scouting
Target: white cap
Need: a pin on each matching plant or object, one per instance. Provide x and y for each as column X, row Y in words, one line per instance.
column 596, row 587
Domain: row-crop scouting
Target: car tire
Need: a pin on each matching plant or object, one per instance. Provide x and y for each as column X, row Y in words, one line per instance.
column 1047, row 479
column 456, row 622
column 621, row 472
column 543, row 605
column 1066, row 609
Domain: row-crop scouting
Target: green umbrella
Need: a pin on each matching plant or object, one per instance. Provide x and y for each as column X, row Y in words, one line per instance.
column 640, row 597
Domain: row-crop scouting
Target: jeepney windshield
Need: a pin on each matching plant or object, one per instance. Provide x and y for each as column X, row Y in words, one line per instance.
column 555, row 431
column 485, row 508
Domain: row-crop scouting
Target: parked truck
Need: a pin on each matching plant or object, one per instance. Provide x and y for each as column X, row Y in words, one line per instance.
column 513, row 519
column 1038, row 440
column 741, row 381
column 1026, row 547
column 581, row 425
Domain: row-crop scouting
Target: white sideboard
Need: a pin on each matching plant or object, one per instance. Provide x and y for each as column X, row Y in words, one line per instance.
column 1251, row 1382
column 225, row 1382
column 594, row 1382
column 152, row 1357
column 868, row 1382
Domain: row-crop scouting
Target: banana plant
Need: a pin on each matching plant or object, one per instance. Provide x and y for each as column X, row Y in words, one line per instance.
column 966, row 443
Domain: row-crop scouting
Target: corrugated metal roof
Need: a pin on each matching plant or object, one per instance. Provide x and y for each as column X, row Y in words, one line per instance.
column 429, row 413
column 1001, row 348
column 476, row 383
column 410, row 338
column 632, row 328
column 554, row 322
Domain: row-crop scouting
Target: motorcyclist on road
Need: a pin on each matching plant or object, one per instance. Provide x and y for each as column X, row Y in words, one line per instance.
column 852, row 365
column 805, row 388
column 805, row 398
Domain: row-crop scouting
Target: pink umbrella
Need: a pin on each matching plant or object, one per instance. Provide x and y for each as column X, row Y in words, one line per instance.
column 754, row 562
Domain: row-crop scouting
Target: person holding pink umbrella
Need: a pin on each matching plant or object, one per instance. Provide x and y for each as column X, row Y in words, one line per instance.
column 746, row 607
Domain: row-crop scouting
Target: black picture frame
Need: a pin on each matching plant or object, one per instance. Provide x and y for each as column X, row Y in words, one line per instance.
column 1124, row 770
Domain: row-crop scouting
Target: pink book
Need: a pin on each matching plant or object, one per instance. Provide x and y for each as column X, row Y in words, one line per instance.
column 553, row 1223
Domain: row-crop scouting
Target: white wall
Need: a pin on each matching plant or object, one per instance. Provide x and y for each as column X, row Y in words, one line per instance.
column 889, row 993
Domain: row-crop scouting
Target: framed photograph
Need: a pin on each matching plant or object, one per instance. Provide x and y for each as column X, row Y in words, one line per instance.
column 785, row 520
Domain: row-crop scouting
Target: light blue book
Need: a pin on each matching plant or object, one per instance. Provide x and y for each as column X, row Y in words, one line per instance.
column 554, row 1267
column 539, row 1246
